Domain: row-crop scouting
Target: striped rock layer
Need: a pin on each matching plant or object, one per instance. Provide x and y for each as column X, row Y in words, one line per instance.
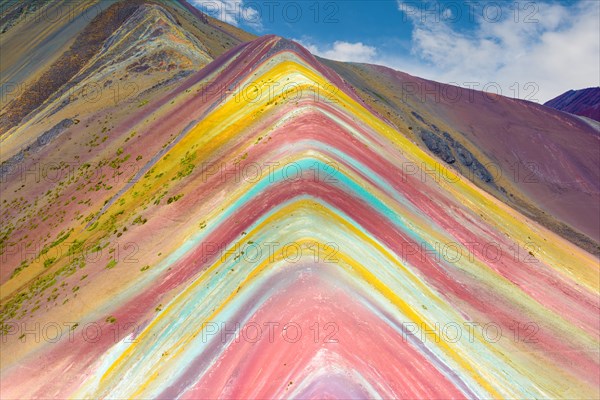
column 298, row 246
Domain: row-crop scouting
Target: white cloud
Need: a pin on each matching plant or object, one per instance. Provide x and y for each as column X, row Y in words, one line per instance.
column 556, row 50
column 536, row 54
column 342, row 51
column 232, row 12
column 539, row 53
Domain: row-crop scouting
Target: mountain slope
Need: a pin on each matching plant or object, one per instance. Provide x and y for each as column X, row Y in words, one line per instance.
column 380, row 235
column 28, row 85
column 256, row 229
column 516, row 150
column 584, row 102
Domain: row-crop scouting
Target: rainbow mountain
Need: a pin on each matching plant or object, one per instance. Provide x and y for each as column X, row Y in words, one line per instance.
column 194, row 212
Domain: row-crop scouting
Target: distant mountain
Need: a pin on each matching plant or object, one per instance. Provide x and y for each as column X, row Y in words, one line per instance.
column 584, row 102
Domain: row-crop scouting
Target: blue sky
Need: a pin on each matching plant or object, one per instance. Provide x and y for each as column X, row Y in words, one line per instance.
column 532, row 50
